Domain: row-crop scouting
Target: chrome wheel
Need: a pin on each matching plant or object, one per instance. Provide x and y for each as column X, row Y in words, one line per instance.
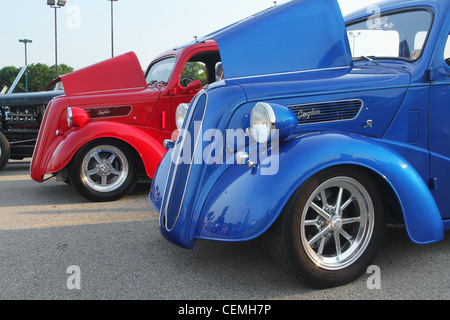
column 337, row 223
column 332, row 228
column 104, row 168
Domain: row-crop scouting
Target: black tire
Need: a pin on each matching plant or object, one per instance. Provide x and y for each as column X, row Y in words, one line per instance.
column 329, row 249
column 104, row 170
column 5, row 151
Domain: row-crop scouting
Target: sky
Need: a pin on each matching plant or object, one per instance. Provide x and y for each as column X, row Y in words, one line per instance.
column 147, row 27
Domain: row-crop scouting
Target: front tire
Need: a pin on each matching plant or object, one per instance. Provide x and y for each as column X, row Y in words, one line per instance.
column 104, row 171
column 5, row 151
column 333, row 227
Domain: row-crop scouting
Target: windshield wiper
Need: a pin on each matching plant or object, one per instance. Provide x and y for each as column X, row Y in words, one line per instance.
column 155, row 82
column 369, row 58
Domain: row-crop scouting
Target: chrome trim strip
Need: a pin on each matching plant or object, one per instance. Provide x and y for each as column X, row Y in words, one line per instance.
column 287, row 73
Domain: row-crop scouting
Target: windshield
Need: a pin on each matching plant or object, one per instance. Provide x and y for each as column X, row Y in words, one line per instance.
column 161, row 71
column 398, row 35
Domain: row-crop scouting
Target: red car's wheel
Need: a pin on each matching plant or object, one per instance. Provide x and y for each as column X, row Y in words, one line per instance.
column 104, row 171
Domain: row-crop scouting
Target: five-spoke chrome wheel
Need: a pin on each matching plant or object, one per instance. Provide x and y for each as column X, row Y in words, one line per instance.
column 104, row 170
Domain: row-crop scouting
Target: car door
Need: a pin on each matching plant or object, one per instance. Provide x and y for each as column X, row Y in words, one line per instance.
column 439, row 126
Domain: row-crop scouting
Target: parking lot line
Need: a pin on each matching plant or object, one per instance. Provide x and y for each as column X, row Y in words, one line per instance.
column 52, row 216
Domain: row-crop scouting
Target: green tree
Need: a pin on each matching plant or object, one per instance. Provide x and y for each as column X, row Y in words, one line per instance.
column 39, row 75
column 63, row 69
column 9, row 73
column 195, row 70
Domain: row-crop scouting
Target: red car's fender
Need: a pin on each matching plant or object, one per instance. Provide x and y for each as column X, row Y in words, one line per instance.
column 149, row 148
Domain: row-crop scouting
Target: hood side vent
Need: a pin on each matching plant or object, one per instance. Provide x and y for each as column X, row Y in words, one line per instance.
column 327, row 111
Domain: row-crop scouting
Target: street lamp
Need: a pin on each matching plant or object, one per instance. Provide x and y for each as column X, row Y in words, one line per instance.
column 56, row 4
column 25, row 41
column 354, row 36
column 112, row 27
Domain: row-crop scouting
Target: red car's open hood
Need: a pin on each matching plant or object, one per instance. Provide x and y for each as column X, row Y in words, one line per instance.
column 121, row 72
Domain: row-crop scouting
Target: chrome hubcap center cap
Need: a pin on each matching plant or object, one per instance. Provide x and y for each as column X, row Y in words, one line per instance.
column 336, row 223
column 104, row 168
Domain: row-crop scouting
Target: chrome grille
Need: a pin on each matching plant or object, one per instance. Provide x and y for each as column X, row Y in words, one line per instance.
column 327, row 111
column 180, row 168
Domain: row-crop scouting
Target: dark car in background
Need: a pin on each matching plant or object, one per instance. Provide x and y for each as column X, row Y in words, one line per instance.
column 20, row 118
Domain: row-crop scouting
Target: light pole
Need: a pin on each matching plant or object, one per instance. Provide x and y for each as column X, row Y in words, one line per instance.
column 25, row 41
column 112, row 27
column 354, row 36
column 56, row 5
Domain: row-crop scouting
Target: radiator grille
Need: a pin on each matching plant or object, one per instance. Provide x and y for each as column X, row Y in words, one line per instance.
column 181, row 166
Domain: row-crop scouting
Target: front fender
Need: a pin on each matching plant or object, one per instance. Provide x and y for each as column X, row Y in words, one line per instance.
column 149, row 149
column 243, row 203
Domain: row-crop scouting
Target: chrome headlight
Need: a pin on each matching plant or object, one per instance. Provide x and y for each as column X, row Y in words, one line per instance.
column 262, row 122
column 265, row 118
column 180, row 114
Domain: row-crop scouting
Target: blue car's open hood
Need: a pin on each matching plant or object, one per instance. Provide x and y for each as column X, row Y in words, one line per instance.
column 296, row 36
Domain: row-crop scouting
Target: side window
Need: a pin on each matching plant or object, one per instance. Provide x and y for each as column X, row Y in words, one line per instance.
column 193, row 71
column 447, row 51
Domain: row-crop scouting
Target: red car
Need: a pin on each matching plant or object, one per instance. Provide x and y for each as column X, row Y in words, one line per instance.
column 110, row 125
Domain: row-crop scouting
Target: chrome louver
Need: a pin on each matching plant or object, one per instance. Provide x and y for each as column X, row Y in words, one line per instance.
column 327, row 111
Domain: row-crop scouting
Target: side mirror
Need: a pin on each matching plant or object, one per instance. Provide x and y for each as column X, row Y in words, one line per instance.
column 194, row 86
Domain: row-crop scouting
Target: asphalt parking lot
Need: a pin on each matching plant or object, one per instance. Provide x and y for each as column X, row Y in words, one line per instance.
column 54, row 244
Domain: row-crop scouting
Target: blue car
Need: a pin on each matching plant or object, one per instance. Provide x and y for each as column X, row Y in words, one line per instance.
column 322, row 132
